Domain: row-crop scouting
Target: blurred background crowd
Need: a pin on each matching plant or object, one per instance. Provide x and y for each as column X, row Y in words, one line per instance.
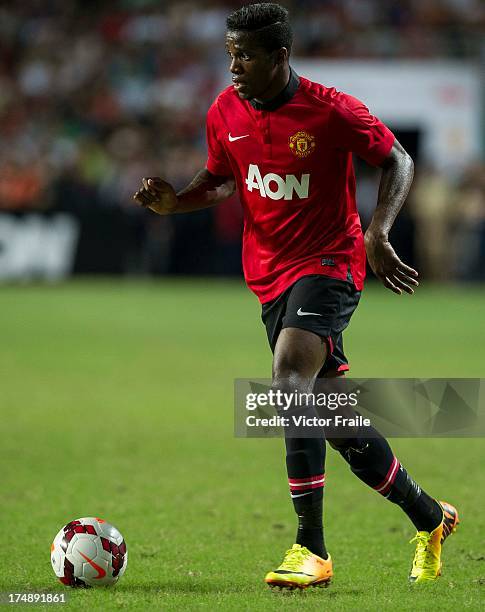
column 95, row 95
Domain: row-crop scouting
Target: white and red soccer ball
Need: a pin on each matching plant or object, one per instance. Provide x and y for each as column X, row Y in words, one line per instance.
column 89, row 552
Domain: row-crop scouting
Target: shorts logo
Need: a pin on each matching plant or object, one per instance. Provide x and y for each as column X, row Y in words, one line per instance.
column 302, row 144
column 302, row 313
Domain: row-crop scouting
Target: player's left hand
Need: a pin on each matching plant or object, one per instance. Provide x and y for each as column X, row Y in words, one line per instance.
column 386, row 265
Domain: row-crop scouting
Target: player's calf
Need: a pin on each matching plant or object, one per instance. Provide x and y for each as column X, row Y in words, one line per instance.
column 371, row 459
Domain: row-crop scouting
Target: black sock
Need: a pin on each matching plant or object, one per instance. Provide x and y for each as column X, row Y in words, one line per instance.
column 305, row 461
column 310, row 525
column 426, row 514
column 372, row 460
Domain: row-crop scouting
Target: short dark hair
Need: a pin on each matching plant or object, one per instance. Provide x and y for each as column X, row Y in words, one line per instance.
column 270, row 22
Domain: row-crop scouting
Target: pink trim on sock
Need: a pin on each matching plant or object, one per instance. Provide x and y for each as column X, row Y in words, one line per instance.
column 306, row 479
column 310, row 482
column 388, row 481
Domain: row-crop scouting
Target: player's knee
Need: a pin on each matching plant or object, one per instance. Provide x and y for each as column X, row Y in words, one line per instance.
column 288, row 377
column 289, row 369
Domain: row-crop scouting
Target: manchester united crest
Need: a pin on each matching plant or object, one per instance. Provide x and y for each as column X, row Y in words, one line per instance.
column 302, row 144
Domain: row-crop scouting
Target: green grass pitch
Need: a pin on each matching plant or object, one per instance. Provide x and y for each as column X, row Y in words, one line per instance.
column 116, row 401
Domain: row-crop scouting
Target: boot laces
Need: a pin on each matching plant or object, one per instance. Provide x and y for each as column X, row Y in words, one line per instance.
column 423, row 558
column 294, row 557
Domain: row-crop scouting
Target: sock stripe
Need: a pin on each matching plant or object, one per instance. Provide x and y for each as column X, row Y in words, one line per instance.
column 314, row 485
column 304, row 484
column 384, row 486
column 306, row 480
column 297, row 485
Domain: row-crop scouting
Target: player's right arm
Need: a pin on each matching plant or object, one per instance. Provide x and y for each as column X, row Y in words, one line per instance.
column 210, row 186
column 205, row 190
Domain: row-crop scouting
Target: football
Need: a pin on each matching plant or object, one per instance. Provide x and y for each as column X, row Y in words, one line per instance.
column 89, row 552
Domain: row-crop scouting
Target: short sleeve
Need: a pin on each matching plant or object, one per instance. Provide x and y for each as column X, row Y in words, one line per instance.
column 354, row 129
column 217, row 161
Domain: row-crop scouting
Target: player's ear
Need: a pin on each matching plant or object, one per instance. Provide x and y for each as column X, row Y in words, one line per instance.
column 282, row 56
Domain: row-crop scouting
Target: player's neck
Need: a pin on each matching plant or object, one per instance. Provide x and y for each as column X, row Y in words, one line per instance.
column 277, row 85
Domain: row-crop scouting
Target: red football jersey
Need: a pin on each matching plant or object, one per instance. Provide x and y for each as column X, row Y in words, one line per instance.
column 292, row 161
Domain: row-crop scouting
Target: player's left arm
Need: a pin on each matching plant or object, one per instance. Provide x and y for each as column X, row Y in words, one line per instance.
column 396, row 179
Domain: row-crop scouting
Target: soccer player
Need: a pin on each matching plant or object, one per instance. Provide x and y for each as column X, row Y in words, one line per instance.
column 286, row 144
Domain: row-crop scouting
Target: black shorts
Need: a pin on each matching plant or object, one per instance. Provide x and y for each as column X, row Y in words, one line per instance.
column 319, row 304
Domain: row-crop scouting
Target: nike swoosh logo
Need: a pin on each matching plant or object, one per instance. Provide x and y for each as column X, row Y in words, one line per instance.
column 100, row 570
column 300, row 313
column 233, row 138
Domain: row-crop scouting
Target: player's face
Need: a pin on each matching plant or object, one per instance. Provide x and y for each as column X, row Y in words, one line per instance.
column 253, row 68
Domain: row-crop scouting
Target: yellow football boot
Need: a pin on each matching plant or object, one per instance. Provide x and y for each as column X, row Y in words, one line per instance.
column 301, row 569
column 427, row 559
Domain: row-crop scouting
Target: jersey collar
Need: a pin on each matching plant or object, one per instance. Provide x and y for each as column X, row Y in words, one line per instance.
column 284, row 96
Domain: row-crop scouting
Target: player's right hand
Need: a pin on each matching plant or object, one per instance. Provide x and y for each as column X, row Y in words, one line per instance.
column 158, row 195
